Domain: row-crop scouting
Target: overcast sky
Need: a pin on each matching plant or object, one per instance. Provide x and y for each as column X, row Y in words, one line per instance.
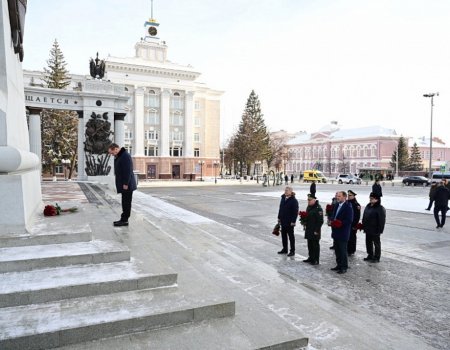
column 359, row 62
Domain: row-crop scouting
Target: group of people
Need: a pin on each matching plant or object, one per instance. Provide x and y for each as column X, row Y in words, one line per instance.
column 343, row 216
column 439, row 195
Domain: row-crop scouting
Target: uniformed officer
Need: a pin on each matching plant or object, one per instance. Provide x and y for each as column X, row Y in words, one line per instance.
column 313, row 227
column 351, row 246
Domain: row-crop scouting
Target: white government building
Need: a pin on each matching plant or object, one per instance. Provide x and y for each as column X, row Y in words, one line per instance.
column 172, row 121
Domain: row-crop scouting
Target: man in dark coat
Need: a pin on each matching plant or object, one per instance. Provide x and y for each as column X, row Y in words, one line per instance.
column 313, row 228
column 376, row 188
column 351, row 246
column 374, row 219
column 287, row 217
column 125, row 181
column 441, row 197
column 312, row 188
column 433, row 188
column 341, row 225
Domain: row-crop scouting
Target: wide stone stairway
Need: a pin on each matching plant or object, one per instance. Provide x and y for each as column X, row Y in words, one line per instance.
column 62, row 284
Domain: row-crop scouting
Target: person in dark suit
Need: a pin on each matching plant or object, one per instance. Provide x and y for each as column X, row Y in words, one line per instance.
column 374, row 219
column 351, row 246
column 287, row 217
column 313, row 228
column 376, row 188
column 312, row 188
column 125, row 181
column 341, row 225
column 441, row 197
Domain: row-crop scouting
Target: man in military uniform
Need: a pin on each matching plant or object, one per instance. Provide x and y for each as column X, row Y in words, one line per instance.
column 313, row 227
column 351, row 246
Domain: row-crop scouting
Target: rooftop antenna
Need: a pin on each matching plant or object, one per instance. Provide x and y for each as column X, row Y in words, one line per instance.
column 151, row 10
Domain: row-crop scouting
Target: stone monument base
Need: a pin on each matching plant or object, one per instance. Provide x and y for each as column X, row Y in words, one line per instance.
column 21, row 197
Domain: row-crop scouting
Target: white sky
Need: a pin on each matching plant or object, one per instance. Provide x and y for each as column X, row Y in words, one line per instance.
column 360, row 62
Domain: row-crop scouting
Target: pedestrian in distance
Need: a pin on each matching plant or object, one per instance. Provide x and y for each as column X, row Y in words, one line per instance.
column 351, row 246
column 286, row 180
column 313, row 229
column 312, row 188
column 441, row 197
column 374, row 219
column 340, row 231
column 431, row 195
column 292, row 179
column 376, row 188
column 287, row 218
column 125, row 181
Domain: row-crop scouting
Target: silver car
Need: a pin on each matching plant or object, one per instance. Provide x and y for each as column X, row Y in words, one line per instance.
column 348, row 179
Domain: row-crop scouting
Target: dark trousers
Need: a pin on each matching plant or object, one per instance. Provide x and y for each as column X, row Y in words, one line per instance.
column 430, row 204
column 351, row 246
column 340, row 249
column 127, row 197
column 314, row 249
column 443, row 209
column 371, row 242
column 285, row 232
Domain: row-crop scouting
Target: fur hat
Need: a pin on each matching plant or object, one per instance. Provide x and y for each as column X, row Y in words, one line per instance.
column 374, row 195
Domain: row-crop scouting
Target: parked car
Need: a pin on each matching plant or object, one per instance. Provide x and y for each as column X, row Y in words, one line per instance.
column 348, row 179
column 416, row 180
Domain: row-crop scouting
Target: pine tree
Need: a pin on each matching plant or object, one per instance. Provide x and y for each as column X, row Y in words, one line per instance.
column 56, row 75
column 415, row 159
column 403, row 159
column 251, row 142
column 59, row 128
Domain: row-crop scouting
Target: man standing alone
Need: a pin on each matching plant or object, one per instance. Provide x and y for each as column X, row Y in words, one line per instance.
column 287, row 217
column 125, row 182
column 313, row 228
column 340, row 231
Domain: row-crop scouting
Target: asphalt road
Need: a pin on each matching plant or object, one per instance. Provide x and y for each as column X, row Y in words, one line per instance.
column 409, row 287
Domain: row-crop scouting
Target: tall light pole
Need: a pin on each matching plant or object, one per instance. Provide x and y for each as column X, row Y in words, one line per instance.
column 201, row 162
column 257, row 164
column 215, row 164
column 396, row 163
column 430, row 171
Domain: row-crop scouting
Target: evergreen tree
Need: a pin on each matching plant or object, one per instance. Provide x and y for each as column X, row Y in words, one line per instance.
column 251, row 142
column 59, row 128
column 415, row 159
column 403, row 158
column 56, row 75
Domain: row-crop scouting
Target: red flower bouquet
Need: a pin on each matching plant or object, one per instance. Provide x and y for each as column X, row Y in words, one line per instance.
column 51, row 210
column 303, row 216
column 336, row 223
column 276, row 230
column 329, row 210
column 359, row 226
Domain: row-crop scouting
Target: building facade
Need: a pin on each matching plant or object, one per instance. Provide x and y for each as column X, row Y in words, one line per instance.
column 334, row 150
column 172, row 121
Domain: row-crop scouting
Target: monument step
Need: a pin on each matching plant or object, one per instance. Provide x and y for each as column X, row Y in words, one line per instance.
column 45, row 234
column 40, row 286
column 15, row 259
column 49, row 325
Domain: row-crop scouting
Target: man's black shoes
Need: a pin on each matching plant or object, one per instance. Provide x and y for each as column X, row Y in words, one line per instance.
column 335, row 268
column 369, row 258
column 314, row 262
column 282, row 252
column 308, row 260
column 120, row 223
column 291, row 254
column 341, row 271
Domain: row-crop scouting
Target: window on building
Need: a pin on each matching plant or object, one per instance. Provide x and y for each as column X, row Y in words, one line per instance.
column 129, row 148
column 196, row 152
column 151, row 151
column 373, row 151
column 128, row 134
column 196, row 121
column 196, row 137
column 366, row 151
column 153, row 99
column 197, row 104
column 152, row 117
column 177, row 101
column 59, row 169
column 151, row 134
column 177, row 136
column 176, row 119
column 176, row 151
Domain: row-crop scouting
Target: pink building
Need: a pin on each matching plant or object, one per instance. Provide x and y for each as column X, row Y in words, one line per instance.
column 334, row 150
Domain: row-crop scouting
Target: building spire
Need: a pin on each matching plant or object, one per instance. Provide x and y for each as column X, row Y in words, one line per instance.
column 151, row 25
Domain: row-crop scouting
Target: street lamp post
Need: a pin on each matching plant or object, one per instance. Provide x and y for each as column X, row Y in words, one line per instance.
column 201, row 162
column 396, row 163
column 215, row 164
column 430, row 171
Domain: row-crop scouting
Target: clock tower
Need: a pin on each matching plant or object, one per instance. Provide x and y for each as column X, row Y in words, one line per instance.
column 150, row 47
